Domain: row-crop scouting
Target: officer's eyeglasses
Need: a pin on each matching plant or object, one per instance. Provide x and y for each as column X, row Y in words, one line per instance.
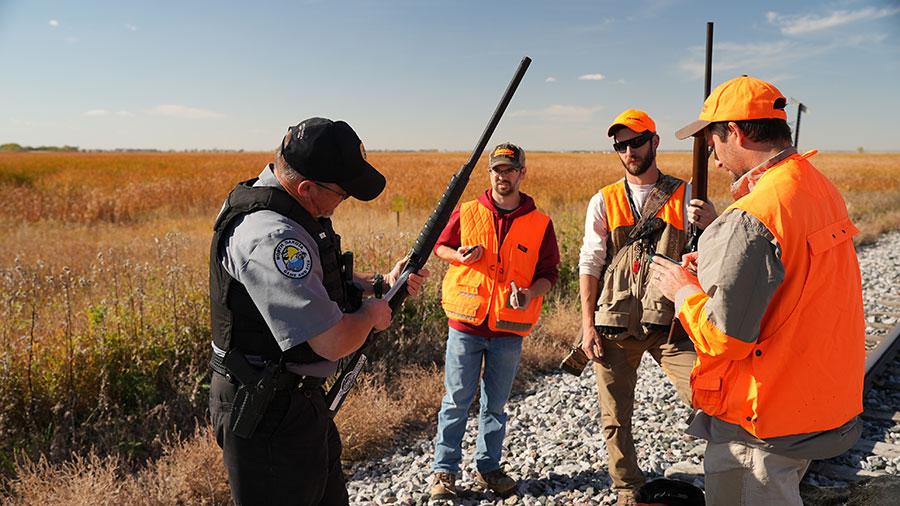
column 635, row 143
column 344, row 196
column 504, row 172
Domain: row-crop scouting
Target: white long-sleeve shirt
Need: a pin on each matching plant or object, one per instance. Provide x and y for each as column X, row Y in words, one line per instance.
column 593, row 247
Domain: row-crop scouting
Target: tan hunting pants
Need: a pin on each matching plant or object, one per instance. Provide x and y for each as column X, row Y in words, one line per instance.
column 741, row 474
column 616, row 383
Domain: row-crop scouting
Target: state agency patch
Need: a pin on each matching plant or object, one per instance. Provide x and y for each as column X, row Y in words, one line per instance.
column 292, row 258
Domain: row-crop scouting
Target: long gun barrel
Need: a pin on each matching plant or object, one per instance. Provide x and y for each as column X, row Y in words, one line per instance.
column 700, row 169
column 425, row 242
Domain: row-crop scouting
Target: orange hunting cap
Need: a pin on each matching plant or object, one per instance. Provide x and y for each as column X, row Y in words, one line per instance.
column 740, row 99
column 634, row 119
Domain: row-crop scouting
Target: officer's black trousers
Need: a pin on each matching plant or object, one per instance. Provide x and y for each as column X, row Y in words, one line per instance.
column 293, row 457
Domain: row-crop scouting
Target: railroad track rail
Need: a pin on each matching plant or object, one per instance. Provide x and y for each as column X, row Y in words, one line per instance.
column 880, row 442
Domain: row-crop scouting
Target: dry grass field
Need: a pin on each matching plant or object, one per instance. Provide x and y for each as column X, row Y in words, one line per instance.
column 104, row 333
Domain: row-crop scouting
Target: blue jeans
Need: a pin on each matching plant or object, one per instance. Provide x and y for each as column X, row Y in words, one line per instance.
column 462, row 368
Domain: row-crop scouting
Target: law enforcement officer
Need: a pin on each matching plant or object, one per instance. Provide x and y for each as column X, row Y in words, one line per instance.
column 283, row 312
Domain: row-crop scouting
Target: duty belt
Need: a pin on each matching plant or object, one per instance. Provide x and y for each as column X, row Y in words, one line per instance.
column 286, row 379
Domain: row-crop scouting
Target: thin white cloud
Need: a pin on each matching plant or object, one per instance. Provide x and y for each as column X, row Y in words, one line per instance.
column 53, row 22
column 592, row 77
column 130, row 27
column 97, row 112
column 550, row 79
column 620, row 81
column 730, row 58
column 180, row 111
column 805, row 23
column 124, row 114
column 559, row 112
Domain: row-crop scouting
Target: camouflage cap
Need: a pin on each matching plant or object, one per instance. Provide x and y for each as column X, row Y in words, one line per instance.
column 507, row 154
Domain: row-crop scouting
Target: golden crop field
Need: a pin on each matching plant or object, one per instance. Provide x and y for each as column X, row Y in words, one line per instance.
column 104, row 320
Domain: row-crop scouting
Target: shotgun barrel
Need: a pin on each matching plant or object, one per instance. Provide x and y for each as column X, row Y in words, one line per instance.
column 425, row 242
column 700, row 168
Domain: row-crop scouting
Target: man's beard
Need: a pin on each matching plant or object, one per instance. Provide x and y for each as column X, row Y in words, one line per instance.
column 643, row 166
column 505, row 192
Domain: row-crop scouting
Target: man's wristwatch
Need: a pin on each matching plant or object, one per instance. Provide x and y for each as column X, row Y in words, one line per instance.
column 378, row 286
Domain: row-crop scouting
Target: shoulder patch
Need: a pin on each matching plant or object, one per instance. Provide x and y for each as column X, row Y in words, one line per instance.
column 292, row 258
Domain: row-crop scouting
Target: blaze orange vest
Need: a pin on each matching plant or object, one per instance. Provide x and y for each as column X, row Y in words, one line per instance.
column 471, row 292
column 805, row 371
column 618, row 211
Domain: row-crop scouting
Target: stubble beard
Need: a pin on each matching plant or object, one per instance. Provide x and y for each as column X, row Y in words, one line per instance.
column 506, row 191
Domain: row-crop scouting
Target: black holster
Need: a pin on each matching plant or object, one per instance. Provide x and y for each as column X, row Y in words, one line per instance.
column 256, row 387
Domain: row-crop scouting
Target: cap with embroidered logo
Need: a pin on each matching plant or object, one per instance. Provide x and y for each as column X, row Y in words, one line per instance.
column 634, row 119
column 742, row 98
column 507, row 154
column 331, row 152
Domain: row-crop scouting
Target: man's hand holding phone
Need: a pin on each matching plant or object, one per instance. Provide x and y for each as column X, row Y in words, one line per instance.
column 470, row 254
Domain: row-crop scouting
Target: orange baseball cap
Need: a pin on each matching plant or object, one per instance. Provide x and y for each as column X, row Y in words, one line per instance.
column 740, row 99
column 633, row 119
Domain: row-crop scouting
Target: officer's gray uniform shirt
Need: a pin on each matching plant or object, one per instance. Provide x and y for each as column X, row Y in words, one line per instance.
column 278, row 263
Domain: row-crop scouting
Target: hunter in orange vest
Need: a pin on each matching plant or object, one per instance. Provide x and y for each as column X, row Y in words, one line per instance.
column 623, row 316
column 503, row 259
column 774, row 310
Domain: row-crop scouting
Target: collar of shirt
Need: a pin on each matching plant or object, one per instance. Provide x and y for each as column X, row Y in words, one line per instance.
column 745, row 184
column 267, row 178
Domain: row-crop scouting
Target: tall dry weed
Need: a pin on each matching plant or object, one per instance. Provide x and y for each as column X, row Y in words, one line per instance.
column 189, row 472
column 103, row 299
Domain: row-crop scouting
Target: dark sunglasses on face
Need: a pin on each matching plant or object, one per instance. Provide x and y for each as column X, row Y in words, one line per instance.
column 635, row 143
column 344, row 196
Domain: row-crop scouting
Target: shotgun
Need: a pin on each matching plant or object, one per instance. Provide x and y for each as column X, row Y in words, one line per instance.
column 699, row 176
column 424, row 243
column 700, row 168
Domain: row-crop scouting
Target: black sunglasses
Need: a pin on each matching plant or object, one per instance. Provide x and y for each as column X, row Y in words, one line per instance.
column 635, row 143
column 344, row 196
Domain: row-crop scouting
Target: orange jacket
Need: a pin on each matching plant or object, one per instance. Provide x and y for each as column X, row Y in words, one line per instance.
column 472, row 291
column 805, row 371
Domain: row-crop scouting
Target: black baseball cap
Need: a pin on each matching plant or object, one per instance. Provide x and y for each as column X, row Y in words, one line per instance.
column 331, row 152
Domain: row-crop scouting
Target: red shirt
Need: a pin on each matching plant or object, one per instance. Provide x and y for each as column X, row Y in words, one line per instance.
column 548, row 257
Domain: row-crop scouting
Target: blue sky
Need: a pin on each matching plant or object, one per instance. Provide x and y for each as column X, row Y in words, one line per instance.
column 422, row 74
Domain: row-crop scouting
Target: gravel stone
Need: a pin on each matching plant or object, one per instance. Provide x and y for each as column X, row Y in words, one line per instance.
column 554, row 445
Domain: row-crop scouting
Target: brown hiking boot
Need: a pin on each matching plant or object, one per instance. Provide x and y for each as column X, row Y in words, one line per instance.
column 444, row 486
column 497, row 482
column 626, row 500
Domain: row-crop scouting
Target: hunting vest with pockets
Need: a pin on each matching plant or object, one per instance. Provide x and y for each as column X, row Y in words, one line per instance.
column 805, row 371
column 473, row 292
column 628, row 304
column 236, row 322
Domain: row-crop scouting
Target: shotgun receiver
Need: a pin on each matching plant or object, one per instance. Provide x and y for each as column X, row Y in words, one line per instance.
column 425, row 243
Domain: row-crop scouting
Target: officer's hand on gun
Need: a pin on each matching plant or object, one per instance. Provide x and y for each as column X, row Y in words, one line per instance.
column 379, row 309
column 415, row 281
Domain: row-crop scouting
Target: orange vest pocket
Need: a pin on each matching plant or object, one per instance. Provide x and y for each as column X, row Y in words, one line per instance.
column 706, row 385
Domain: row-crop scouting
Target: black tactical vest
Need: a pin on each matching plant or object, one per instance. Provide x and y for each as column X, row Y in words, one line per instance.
column 236, row 322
